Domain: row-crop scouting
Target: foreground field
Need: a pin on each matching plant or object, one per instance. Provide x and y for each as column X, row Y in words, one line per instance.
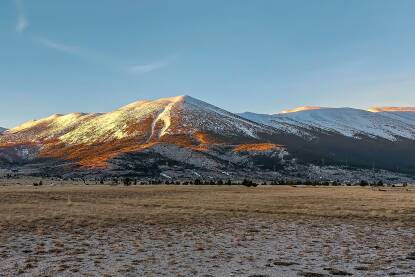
column 206, row 231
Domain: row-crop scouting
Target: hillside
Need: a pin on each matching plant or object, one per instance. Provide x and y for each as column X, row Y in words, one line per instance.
column 348, row 137
column 348, row 122
column 184, row 136
column 140, row 137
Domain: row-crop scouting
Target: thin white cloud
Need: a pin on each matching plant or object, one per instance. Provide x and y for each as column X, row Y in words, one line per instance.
column 68, row 49
column 105, row 60
column 85, row 54
column 145, row 68
column 22, row 22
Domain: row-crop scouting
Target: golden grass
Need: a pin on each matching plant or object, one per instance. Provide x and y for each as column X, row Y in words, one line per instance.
column 67, row 206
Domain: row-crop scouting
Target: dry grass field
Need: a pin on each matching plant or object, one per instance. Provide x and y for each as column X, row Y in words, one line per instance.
column 101, row 230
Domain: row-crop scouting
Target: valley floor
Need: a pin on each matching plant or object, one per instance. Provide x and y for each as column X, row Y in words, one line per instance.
column 71, row 230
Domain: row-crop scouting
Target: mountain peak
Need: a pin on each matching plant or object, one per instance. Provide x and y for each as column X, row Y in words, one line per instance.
column 180, row 98
column 169, row 100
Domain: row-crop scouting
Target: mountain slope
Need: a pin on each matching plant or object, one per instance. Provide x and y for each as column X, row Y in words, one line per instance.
column 2, row 129
column 95, row 139
column 143, row 120
column 188, row 136
column 406, row 117
column 349, row 122
column 347, row 137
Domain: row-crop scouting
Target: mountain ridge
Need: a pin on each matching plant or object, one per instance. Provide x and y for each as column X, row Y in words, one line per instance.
column 115, row 121
column 186, row 133
column 346, row 121
column 181, row 120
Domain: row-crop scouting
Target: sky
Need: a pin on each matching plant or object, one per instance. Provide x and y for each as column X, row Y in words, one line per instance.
column 264, row 56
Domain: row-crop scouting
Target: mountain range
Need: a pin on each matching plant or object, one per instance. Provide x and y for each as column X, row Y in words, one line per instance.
column 183, row 137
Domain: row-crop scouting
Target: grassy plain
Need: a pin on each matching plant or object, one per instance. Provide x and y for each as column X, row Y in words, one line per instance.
column 205, row 230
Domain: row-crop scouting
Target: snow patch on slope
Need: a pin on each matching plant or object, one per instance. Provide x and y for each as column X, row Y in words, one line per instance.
column 354, row 122
column 112, row 125
column 211, row 118
column 45, row 129
column 345, row 121
column 407, row 117
column 165, row 116
column 283, row 126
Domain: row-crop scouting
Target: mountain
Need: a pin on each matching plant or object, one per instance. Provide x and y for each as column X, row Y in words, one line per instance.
column 2, row 129
column 144, row 121
column 348, row 136
column 345, row 121
column 181, row 131
column 183, row 137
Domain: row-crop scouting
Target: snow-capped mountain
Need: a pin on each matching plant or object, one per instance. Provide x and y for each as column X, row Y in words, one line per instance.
column 142, row 120
column 189, row 136
column 355, row 123
column 94, row 139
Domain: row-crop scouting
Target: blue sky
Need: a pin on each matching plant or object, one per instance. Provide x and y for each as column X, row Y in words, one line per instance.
column 264, row 56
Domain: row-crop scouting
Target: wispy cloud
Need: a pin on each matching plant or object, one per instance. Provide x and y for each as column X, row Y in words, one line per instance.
column 87, row 55
column 98, row 58
column 145, row 68
column 22, row 22
column 61, row 47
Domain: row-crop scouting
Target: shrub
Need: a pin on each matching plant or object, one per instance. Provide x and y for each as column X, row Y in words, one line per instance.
column 127, row 181
column 249, row 183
